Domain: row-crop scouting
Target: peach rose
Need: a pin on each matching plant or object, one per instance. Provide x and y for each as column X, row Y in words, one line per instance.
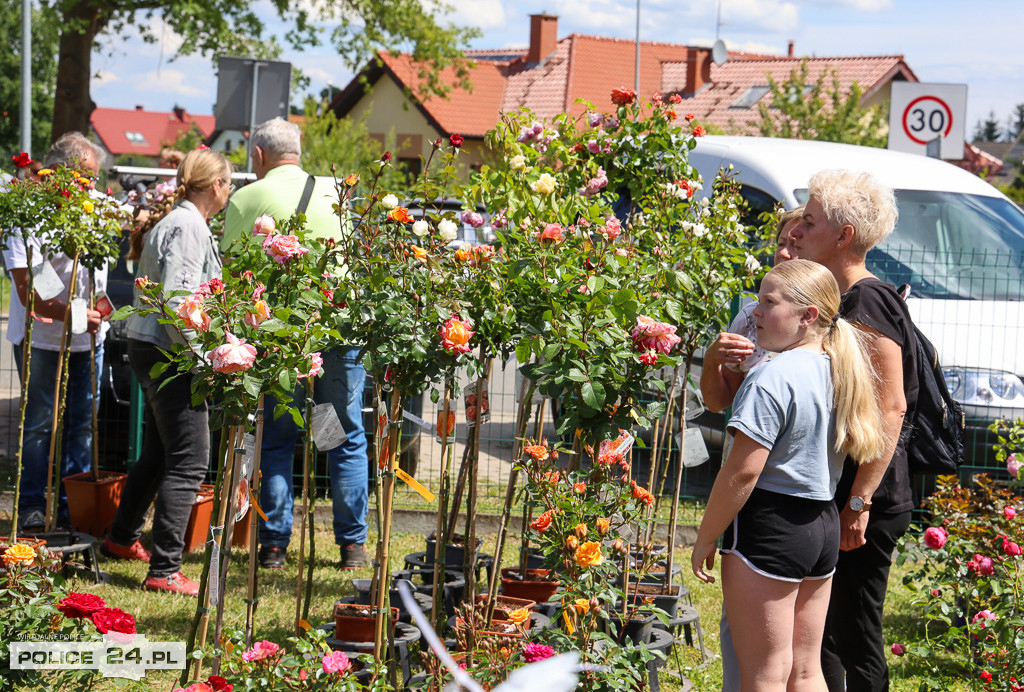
column 541, row 523
column 283, row 247
column 19, row 554
column 602, row 525
column 589, row 554
column 260, row 311
column 552, row 232
column 234, row 356
column 649, row 334
column 538, row 452
column 192, row 314
column 455, row 335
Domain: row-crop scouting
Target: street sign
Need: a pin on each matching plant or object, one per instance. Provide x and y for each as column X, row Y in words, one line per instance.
column 238, row 106
column 921, row 114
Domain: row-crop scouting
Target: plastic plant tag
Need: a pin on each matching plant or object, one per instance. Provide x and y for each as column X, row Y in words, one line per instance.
column 694, row 402
column 695, row 452
column 624, row 531
column 472, row 408
column 46, row 282
column 79, row 319
column 327, row 430
column 103, row 305
column 417, row 421
column 415, row 485
column 246, row 462
column 213, row 581
column 440, row 426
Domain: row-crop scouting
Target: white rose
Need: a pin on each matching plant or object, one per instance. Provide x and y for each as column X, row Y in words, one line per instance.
column 420, row 228
column 699, row 230
column 518, row 162
column 389, row 202
column 751, row 264
column 447, row 230
column 544, row 185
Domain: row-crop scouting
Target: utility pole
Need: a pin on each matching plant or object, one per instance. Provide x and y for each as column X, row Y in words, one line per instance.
column 26, row 76
column 636, row 70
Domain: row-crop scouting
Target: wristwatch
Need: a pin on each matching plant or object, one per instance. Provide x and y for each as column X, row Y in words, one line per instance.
column 857, row 504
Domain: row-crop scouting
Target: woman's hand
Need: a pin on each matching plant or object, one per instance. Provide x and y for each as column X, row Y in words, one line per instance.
column 729, row 348
column 703, row 557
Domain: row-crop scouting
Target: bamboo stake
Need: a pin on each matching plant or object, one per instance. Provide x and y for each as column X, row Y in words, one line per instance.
column 92, row 384
column 442, row 513
column 679, row 481
column 470, row 553
column 306, row 450
column 460, row 486
column 60, row 390
column 524, row 547
column 254, row 527
column 229, row 493
column 382, row 572
column 26, row 358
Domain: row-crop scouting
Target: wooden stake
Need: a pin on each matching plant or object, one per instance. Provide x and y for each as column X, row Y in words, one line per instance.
column 442, row 513
column 254, row 527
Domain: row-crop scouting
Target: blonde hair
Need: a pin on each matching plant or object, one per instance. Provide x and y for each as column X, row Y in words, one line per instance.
column 859, row 431
column 196, row 173
column 858, row 200
column 784, row 219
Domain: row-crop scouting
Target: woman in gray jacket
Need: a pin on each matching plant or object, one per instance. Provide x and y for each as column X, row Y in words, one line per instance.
column 180, row 253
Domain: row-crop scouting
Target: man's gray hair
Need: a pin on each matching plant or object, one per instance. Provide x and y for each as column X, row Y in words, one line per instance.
column 71, row 147
column 277, row 137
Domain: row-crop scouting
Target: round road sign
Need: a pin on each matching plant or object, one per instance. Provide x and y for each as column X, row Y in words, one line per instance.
column 927, row 117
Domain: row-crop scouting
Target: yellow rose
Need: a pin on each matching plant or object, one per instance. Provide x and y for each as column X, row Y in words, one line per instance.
column 43, row 172
column 519, row 616
column 602, row 525
column 518, row 162
column 589, row 554
column 582, row 606
column 88, row 206
column 19, row 554
column 544, row 185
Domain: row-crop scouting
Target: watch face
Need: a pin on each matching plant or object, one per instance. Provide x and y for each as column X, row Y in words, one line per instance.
column 856, row 504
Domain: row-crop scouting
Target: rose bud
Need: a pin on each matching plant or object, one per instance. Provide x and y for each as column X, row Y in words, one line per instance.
column 571, row 543
column 581, row 530
column 617, row 545
column 602, row 526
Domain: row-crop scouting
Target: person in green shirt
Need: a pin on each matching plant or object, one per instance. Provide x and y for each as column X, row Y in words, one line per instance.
column 276, row 149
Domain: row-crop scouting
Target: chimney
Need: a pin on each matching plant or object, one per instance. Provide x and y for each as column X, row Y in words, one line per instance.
column 791, row 51
column 139, row 108
column 179, row 113
column 543, row 37
column 698, row 69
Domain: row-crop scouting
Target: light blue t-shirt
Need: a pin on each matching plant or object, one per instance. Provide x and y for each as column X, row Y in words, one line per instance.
column 787, row 405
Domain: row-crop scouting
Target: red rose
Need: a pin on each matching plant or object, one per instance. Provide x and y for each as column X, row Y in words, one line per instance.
column 623, row 96
column 113, row 620
column 219, row 684
column 698, row 131
column 386, row 157
column 689, row 116
column 22, row 160
column 456, row 140
column 80, row 605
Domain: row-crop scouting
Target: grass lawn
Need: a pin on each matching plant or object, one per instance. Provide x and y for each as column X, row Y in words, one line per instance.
column 165, row 617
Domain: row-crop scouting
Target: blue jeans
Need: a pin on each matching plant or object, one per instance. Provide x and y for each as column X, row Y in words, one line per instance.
column 341, row 384
column 76, row 443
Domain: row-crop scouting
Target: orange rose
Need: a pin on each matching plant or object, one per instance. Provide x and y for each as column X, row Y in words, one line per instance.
column 642, row 495
column 602, row 525
column 419, row 253
column 589, row 555
column 462, row 255
column 400, row 214
column 352, row 179
column 455, row 335
column 538, row 452
column 572, row 543
column 582, row 606
column 19, row 554
column 542, row 522
column 580, row 487
column 519, row 616
column 581, row 530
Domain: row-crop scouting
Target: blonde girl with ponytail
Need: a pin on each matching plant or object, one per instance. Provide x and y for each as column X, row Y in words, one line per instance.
column 795, row 420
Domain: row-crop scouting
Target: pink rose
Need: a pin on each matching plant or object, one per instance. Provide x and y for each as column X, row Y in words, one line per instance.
column 234, row 356
column 537, row 652
column 934, row 537
column 898, row 650
column 982, row 565
column 650, row 334
column 552, row 232
column 982, row 617
column 143, row 283
column 336, row 662
column 316, row 367
column 260, row 651
column 1009, row 512
column 1013, row 465
column 264, row 226
column 595, row 184
column 164, row 190
column 283, row 247
column 1010, row 548
column 260, row 311
column 648, row 358
column 612, row 229
column 192, row 314
column 473, row 219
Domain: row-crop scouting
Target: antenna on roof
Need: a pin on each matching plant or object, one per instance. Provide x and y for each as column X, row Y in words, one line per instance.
column 718, row 20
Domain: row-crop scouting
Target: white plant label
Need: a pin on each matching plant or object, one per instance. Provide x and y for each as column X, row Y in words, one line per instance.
column 327, row 430
column 695, row 452
column 46, row 282
column 79, row 319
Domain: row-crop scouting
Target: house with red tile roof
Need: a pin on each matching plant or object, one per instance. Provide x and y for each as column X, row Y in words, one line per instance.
column 142, row 134
column 552, row 75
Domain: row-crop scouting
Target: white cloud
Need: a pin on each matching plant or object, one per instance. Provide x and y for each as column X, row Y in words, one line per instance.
column 483, row 14
column 768, row 15
column 857, row 5
column 104, row 77
column 177, row 83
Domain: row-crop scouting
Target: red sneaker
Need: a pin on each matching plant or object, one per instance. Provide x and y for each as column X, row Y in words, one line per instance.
column 175, row 583
column 135, row 551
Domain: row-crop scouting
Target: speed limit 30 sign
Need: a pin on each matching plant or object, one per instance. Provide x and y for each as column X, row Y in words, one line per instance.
column 921, row 113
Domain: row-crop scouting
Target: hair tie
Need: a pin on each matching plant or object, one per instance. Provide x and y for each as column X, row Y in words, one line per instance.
column 835, row 319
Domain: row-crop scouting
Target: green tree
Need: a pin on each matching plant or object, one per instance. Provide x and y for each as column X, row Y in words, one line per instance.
column 987, row 130
column 1015, row 123
column 45, row 31
column 219, row 27
column 805, row 109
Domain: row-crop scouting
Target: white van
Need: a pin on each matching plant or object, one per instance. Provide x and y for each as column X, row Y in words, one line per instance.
column 959, row 243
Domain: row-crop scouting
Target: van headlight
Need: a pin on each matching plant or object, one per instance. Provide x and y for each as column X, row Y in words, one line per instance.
column 984, row 387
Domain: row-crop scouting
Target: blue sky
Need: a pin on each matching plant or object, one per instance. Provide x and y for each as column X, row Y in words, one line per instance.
column 943, row 41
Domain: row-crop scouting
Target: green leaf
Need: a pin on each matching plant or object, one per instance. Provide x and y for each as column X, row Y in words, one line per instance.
column 158, row 369
column 122, row 312
column 523, row 350
column 593, row 395
column 251, row 384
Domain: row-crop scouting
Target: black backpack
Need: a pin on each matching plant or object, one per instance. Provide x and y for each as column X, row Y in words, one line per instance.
column 936, row 444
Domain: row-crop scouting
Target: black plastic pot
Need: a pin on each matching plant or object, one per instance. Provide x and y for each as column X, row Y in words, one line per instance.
column 454, row 555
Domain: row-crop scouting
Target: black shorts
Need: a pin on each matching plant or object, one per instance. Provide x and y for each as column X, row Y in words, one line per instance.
column 784, row 537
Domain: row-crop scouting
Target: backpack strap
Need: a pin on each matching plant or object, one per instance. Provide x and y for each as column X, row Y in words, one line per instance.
column 307, row 193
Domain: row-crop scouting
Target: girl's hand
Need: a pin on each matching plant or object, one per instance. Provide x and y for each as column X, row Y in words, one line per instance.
column 703, row 557
column 729, row 348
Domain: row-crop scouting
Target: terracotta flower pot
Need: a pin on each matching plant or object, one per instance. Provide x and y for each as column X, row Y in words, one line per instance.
column 197, row 532
column 506, row 604
column 499, row 630
column 93, row 504
column 538, row 586
column 356, row 623
column 32, row 542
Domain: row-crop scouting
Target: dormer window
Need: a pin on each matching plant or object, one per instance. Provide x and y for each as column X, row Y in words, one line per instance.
column 135, row 137
column 751, row 96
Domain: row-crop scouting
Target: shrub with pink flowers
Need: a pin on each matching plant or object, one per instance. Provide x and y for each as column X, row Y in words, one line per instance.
column 967, row 580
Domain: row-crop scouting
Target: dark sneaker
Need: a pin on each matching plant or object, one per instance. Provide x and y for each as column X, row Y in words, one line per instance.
column 135, row 551
column 353, row 556
column 272, row 556
column 32, row 522
column 175, row 583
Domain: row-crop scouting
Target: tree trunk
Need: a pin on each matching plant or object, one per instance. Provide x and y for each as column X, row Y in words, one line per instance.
column 73, row 106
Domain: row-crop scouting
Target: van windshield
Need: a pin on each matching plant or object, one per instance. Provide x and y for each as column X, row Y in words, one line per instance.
column 953, row 245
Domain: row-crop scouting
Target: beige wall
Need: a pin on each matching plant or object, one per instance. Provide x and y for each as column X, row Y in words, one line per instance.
column 390, row 112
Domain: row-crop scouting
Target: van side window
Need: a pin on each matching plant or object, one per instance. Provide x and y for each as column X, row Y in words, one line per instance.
column 758, row 202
